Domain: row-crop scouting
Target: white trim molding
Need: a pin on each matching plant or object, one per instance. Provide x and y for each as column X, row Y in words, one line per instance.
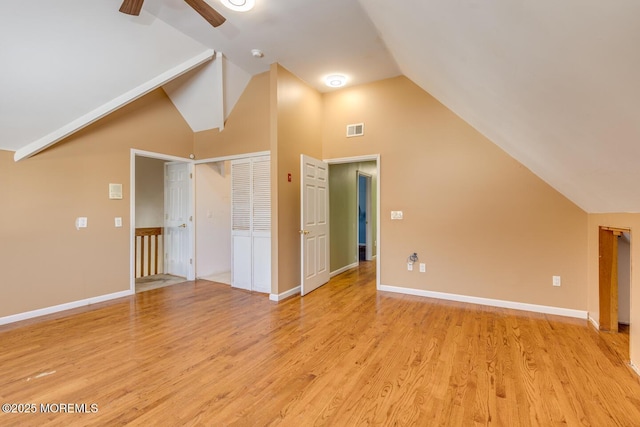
column 635, row 368
column 594, row 323
column 62, row 307
column 568, row 312
column 343, row 269
column 285, row 294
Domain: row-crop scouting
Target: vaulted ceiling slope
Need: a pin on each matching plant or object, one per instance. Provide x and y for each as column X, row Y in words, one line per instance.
column 554, row 83
column 66, row 63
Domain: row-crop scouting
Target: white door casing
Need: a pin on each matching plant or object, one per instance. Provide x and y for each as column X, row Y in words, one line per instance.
column 177, row 219
column 314, row 227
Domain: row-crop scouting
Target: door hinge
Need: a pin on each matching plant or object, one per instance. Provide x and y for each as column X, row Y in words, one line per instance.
column 191, row 175
column 191, row 261
column 191, row 218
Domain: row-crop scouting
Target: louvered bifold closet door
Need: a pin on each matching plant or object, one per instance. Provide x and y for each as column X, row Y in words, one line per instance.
column 261, row 223
column 241, row 223
column 251, row 223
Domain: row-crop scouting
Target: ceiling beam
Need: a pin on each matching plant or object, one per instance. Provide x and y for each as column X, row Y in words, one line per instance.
column 111, row 106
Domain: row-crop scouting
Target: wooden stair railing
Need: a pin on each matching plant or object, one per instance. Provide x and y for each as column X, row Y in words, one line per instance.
column 149, row 241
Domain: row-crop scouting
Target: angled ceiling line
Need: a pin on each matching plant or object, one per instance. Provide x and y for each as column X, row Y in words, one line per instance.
column 109, row 107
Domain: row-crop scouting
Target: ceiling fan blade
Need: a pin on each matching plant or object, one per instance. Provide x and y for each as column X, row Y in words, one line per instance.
column 131, row 7
column 206, row 11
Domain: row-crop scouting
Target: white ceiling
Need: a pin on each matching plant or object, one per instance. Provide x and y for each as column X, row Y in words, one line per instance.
column 554, row 83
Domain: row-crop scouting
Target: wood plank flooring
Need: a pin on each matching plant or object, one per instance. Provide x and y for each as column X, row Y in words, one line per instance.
column 201, row 353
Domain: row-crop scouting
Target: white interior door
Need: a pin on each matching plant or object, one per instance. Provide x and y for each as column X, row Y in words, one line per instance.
column 314, row 231
column 251, row 223
column 241, row 276
column 177, row 219
column 261, row 224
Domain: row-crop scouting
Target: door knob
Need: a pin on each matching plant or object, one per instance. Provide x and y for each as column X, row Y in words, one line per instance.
column 183, row 226
column 305, row 232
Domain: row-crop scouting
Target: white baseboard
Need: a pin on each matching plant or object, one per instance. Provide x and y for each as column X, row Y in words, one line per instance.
column 343, row 269
column 568, row 312
column 635, row 368
column 62, row 307
column 285, row 294
column 594, row 323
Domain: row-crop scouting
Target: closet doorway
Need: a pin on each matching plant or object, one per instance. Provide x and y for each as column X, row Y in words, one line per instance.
column 614, row 271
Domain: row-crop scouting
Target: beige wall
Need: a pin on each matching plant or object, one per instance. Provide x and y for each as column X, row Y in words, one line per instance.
column 247, row 129
column 45, row 260
column 149, row 192
column 484, row 225
column 299, row 127
column 622, row 220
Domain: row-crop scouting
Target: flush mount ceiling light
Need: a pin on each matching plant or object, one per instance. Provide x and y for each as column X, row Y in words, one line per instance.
column 335, row 80
column 239, row 5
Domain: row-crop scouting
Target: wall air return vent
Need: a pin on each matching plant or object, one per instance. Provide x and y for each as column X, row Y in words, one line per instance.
column 355, row 130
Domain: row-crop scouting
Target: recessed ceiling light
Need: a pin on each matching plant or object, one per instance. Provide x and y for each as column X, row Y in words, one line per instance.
column 239, row 5
column 335, row 80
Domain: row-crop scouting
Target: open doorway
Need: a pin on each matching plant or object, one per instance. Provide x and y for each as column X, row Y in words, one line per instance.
column 213, row 221
column 353, row 193
column 615, row 280
column 365, row 217
column 162, row 231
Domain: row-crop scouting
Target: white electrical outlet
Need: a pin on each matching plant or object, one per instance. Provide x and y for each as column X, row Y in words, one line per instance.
column 410, row 266
column 423, row 267
column 557, row 281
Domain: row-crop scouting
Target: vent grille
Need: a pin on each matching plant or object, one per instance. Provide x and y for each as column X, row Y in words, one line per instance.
column 355, row 130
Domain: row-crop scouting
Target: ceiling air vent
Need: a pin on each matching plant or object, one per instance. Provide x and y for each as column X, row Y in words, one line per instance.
column 355, row 130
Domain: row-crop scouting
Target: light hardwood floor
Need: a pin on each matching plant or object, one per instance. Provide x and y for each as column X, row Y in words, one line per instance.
column 201, row 353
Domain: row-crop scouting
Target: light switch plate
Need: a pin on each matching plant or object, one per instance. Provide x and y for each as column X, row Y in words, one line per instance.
column 81, row 222
column 118, row 222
